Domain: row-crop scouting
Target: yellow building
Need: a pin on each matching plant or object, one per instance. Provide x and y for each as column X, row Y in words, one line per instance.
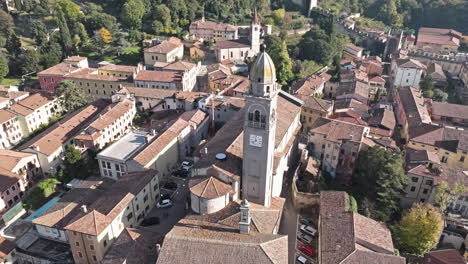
column 449, row 144
column 97, row 86
column 120, row 70
column 313, row 109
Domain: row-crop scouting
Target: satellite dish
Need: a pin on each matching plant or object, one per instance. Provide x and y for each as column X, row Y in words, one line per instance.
column 220, row 156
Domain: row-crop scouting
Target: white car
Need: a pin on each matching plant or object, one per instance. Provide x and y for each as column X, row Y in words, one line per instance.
column 302, row 260
column 164, row 203
column 186, row 165
column 308, row 230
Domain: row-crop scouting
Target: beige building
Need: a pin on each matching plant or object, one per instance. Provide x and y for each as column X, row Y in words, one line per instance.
column 170, row 80
column 120, row 70
column 189, row 73
column 202, row 29
column 51, row 144
column 34, row 111
column 92, row 216
column 438, row 40
column 97, row 86
column 164, row 53
column 113, row 122
column 10, row 129
column 337, row 144
column 313, row 109
column 18, row 172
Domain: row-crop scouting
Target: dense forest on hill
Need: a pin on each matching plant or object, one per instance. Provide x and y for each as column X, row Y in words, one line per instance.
column 408, row 13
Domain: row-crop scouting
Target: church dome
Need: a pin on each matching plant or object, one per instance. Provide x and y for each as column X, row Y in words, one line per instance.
column 263, row 69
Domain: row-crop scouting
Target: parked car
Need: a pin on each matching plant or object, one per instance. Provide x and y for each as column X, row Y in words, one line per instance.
column 150, row 221
column 170, row 186
column 305, row 238
column 302, row 260
column 308, row 250
column 186, row 165
column 308, row 230
column 306, row 221
column 164, row 203
column 181, row 173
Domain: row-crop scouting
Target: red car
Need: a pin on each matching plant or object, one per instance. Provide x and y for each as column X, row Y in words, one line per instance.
column 308, row 250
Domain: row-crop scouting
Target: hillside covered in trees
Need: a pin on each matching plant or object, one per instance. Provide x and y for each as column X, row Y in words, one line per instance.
column 408, row 13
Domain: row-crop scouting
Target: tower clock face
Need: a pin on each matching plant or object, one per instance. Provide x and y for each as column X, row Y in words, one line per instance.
column 256, row 141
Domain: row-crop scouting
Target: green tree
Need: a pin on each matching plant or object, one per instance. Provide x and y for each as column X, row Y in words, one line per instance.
column 3, row 67
column 445, row 196
column 439, row 95
column 278, row 51
column 278, row 16
column 70, row 10
column 427, row 83
column 80, row 30
column 40, row 194
column 428, row 93
column 96, row 19
column 157, row 27
column 6, row 21
column 388, row 13
column 39, row 32
column 52, row 53
column 132, row 13
column 31, row 62
column 13, row 43
column 379, row 177
column 71, row 96
column 64, row 32
column 162, row 14
column 419, row 229
column 72, row 155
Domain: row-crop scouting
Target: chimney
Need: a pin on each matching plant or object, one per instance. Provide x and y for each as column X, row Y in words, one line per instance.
column 158, row 249
column 84, row 208
column 153, row 132
column 204, row 151
column 244, row 223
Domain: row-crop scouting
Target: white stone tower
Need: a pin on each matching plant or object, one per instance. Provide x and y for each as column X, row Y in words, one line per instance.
column 259, row 131
column 255, row 33
column 244, row 223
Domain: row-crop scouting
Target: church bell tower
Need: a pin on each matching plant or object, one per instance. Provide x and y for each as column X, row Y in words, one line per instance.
column 255, row 33
column 259, row 131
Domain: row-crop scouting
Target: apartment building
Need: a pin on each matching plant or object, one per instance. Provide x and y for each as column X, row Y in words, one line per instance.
column 313, row 109
column 209, row 30
column 97, row 86
column 10, row 94
column 120, row 70
column 449, row 114
column 164, row 53
column 189, row 73
column 34, row 111
column 170, row 80
column 18, row 173
column 51, row 77
column 407, row 72
column 156, row 100
column 10, row 129
column 311, row 85
column 337, row 144
column 90, row 217
column 113, row 122
column 50, row 145
column 352, row 52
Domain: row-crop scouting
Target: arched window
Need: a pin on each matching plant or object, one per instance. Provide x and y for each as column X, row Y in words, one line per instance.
column 257, row 116
column 268, row 89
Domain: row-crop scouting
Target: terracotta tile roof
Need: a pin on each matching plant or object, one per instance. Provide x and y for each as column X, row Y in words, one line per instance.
column 232, row 44
column 118, row 68
column 111, row 113
column 6, row 246
column 410, row 63
column 348, row 116
column 104, row 199
column 133, row 246
column 317, row 104
column 193, row 241
column 165, row 46
column 347, row 237
column 35, row 101
column 352, row 104
column 10, row 158
column 338, row 131
column 152, row 150
column 158, row 76
column 208, row 188
column 354, row 47
column 413, row 106
column 242, row 86
column 180, row 66
column 444, row 137
column 5, row 116
column 7, row 179
column 377, row 79
column 436, row 71
column 308, row 85
column 439, row 36
column 210, row 25
column 450, row 175
column 450, row 110
column 357, row 90
column 444, row 256
column 148, row 92
column 91, row 74
column 55, row 136
column 76, row 58
column 383, row 118
column 21, row 110
column 61, row 69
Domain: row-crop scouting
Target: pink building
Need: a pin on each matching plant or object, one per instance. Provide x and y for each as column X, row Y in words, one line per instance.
column 18, row 172
column 51, row 77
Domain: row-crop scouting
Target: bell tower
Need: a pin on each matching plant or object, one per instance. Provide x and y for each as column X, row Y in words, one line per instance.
column 255, row 33
column 259, row 131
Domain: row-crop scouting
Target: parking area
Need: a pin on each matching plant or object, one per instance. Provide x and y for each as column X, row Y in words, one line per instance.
column 176, row 189
column 306, row 241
